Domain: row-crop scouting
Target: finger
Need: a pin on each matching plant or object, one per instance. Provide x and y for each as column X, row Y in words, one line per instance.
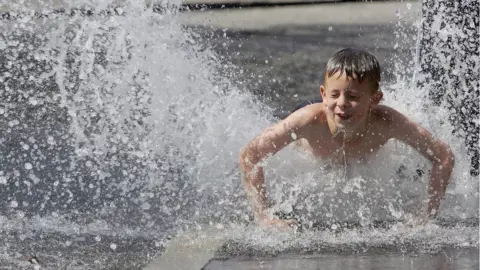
column 283, row 227
column 291, row 222
column 287, row 225
column 287, row 222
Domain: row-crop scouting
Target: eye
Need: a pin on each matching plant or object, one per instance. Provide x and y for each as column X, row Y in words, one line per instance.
column 335, row 95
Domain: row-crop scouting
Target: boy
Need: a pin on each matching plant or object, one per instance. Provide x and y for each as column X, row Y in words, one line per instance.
column 348, row 119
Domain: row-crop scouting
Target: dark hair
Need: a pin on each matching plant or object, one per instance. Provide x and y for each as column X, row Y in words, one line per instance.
column 358, row 62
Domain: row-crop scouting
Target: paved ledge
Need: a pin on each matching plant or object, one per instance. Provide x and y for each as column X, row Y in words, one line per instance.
column 189, row 251
column 370, row 13
column 207, row 249
column 253, row 3
column 59, row 5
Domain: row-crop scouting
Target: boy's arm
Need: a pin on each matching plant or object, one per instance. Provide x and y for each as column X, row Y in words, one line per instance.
column 270, row 141
column 438, row 152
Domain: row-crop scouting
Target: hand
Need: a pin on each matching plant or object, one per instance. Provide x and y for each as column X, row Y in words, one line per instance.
column 281, row 224
column 432, row 212
column 417, row 221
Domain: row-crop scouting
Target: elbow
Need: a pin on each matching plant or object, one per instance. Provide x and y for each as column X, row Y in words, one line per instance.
column 241, row 159
column 449, row 158
column 246, row 160
column 444, row 157
column 446, row 162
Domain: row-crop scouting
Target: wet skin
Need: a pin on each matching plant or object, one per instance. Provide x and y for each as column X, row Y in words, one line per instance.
column 348, row 125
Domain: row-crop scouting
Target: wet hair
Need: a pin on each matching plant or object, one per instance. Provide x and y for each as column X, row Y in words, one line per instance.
column 356, row 64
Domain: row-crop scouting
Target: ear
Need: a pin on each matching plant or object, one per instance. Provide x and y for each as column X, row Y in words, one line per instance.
column 322, row 92
column 377, row 97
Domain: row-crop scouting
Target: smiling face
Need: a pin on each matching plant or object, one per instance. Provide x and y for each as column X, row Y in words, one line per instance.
column 347, row 102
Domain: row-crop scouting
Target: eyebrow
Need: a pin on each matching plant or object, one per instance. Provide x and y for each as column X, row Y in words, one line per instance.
column 347, row 90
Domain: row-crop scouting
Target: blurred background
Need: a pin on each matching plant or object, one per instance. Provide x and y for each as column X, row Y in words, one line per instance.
column 280, row 48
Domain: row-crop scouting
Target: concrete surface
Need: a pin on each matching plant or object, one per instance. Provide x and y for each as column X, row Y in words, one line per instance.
column 253, row 2
column 190, row 250
column 371, row 13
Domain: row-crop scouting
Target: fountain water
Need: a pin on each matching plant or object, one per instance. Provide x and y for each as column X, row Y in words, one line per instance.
column 449, row 65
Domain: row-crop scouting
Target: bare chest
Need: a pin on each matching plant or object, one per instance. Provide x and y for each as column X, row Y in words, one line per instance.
column 338, row 150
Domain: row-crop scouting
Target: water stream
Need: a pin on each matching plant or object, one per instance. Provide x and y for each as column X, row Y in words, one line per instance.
column 122, row 129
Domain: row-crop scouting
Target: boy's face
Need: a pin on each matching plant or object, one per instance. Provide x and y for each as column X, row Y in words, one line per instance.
column 348, row 101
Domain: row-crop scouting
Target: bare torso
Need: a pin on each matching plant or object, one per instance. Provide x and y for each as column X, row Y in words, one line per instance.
column 319, row 141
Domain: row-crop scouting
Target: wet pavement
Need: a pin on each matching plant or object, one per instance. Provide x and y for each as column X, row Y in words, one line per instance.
column 449, row 259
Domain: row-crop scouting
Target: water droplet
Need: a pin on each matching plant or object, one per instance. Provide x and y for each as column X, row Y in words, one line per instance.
column 145, row 206
column 33, row 101
column 13, row 123
column 14, row 204
column 50, row 140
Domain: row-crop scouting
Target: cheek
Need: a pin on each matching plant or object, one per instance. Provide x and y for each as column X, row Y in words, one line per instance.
column 356, row 106
column 359, row 109
column 330, row 105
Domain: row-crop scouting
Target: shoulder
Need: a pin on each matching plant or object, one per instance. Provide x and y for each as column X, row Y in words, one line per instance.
column 303, row 120
column 388, row 115
column 389, row 120
column 308, row 115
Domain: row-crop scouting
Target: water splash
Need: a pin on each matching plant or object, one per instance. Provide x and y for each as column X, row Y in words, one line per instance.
column 119, row 126
column 105, row 121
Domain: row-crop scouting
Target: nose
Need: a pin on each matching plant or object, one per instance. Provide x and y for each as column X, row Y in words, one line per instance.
column 342, row 101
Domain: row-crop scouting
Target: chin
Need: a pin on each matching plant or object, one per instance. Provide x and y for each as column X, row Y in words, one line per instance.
column 345, row 125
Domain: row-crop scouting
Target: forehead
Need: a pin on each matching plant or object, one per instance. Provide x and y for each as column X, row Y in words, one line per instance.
column 340, row 81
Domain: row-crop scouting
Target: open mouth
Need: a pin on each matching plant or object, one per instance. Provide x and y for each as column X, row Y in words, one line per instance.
column 344, row 116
